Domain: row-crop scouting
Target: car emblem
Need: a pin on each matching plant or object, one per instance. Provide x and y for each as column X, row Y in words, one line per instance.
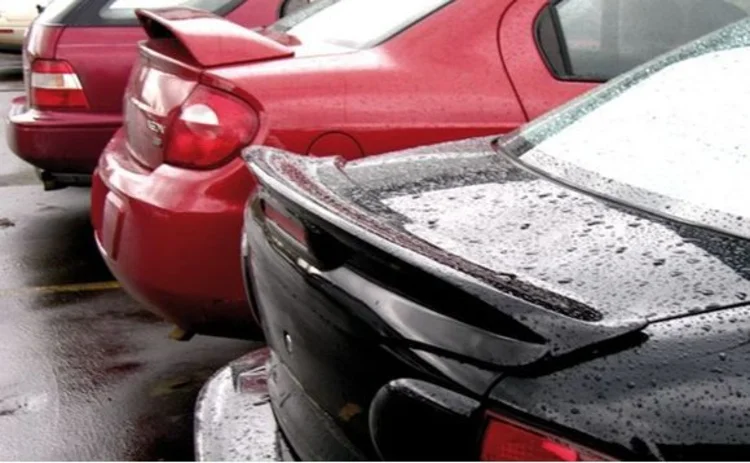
column 158, row 129
column 155, row 127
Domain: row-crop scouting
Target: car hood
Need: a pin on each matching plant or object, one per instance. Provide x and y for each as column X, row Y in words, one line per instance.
column 581, row 257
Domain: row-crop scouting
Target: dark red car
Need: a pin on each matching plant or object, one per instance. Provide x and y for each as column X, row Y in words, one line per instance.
column 77, row 58
column 343, row 77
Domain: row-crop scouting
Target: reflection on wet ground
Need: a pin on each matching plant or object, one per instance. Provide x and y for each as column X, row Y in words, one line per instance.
column 85, row 372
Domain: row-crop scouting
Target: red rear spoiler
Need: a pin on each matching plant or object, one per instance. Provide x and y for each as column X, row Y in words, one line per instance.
column 209, row 39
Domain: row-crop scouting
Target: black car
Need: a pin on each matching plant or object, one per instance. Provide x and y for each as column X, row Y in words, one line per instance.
column 578, row 290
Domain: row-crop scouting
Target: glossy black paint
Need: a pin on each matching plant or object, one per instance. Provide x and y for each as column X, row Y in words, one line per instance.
column 643, row 319
column 313, row 330
column 415, row 420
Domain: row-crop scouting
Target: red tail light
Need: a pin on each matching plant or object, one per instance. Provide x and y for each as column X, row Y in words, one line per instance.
column 54, row 84
column 285, row 223
column 209, row 128
column 505, row 440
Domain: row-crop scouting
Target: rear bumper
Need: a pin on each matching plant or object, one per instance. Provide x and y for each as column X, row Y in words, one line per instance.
column 233, row 416
column 172, row 238
column 56, row 141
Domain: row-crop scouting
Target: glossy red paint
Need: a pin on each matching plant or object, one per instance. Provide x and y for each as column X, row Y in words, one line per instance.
column 525, row 64
column 69, row 141
column 139, row 216
column 237, row 44
column 172, row 235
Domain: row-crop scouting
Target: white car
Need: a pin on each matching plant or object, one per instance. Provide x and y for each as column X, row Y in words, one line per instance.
column 15, row 18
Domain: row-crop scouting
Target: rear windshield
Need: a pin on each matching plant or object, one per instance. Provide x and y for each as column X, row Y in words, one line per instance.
column 55, row 10
column 671, row 137
column 125, row 9
column 355, row 23
column 120, row 12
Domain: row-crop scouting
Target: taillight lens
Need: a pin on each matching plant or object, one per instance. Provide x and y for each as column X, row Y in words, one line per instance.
column 208, row 129
column 505, row 440
column 53, row 84
column 284, row 222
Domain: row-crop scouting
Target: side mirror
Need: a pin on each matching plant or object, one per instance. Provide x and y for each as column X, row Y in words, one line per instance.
column 39, row 8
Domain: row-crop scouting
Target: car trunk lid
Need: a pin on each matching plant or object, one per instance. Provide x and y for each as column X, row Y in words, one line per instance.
column 587, row 271
column 160, row 82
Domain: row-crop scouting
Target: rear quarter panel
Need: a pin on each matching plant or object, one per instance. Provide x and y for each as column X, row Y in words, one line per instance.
column 102, row 57
column 439, row 80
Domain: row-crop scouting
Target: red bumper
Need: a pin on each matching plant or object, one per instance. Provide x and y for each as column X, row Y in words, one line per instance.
column 172, row 238
column 57, row 141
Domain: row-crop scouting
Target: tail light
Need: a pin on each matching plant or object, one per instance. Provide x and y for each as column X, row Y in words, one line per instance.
column 505, row 440
column 306, row 244
column 282, row 221
column 209, row 128
column 53, row 84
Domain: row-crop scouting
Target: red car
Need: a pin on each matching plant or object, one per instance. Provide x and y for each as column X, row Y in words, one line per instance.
column 77, row 59
column 343, row 77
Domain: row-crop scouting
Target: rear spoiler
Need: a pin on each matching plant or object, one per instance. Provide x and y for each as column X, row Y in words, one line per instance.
column 209, row 39
column 297, row 179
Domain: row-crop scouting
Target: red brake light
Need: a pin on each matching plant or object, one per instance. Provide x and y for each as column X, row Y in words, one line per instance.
column 53, row 84
column 283, row 221
column 506, row 440
column 209, row 128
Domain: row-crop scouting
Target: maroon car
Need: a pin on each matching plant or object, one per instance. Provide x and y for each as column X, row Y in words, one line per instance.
column 77, row 58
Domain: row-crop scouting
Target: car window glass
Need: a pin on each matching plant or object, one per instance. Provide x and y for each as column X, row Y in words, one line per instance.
column 125, row 9
column 55, row 10
column 604, row 38
column 669, row 137
column 355, row 23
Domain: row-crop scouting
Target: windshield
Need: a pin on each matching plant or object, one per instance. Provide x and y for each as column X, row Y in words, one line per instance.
column 671, row 137
column 355, row 23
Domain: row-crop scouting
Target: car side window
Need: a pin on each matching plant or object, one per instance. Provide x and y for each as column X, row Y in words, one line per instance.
column 596, row 40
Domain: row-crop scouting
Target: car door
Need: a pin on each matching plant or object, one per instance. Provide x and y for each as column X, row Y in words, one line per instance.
column 556, row 50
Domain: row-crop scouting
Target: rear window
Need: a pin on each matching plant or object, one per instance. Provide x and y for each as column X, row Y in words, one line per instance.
column 355, row 23
column 119, row 10
column 671, row 137
column 55, row 11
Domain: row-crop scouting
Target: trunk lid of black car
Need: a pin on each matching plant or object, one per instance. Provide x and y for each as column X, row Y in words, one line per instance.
column 572, row 286
column 584, row 270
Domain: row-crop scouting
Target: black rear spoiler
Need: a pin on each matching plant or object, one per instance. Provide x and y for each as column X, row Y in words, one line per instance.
column 295, row 179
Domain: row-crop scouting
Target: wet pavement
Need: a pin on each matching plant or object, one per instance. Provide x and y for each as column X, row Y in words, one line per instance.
column 85, row 372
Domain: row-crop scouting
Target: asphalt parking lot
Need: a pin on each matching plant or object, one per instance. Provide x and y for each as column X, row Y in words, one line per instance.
column 85, row 372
